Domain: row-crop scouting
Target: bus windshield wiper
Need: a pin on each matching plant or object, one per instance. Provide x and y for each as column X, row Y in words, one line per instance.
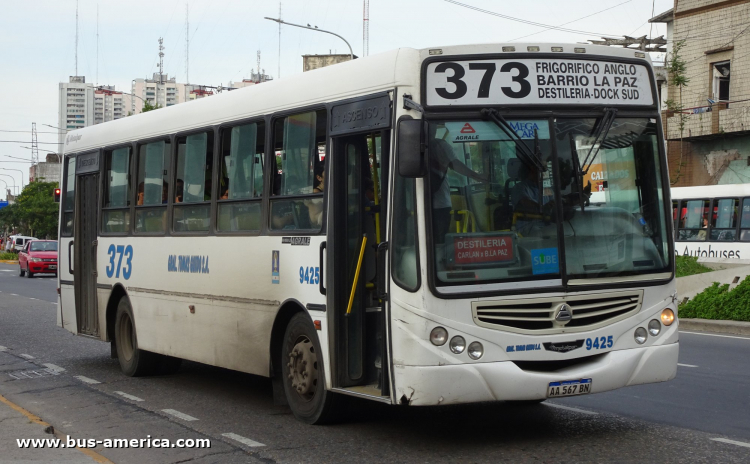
column 526, row 156
column 600, row 132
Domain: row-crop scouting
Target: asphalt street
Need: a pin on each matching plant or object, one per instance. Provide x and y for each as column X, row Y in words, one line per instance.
column 696, row 418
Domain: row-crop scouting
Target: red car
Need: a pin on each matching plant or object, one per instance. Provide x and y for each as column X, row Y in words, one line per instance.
column 38, row 256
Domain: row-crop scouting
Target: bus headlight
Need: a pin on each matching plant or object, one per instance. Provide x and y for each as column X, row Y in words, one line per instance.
column 667, row 317
column 476, row 350
column 640, row 335
column 654, row 327
column 439, row 336
column 458, row 344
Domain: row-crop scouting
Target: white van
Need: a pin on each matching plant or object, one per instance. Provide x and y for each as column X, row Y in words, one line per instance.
column 19, row 241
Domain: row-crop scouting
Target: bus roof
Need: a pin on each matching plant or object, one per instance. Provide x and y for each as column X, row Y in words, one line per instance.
column 372, row 74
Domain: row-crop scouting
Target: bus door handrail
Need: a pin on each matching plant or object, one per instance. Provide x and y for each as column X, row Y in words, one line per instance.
column 70, row 260
column 322, row 287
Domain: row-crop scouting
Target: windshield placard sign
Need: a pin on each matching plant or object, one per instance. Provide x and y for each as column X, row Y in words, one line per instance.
column 537, row 81
column 480, row 249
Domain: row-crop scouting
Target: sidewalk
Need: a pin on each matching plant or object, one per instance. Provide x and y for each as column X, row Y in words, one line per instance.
column 17, row 423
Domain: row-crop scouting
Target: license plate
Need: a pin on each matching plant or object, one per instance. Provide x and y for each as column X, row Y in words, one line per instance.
column 53, row 266
column 569, row 388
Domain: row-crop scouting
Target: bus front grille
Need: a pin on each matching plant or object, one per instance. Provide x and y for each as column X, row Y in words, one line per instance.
column 542, row 315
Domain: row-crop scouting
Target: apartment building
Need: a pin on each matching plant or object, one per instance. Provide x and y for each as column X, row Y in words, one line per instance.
column 709, row 139
column 76, row 105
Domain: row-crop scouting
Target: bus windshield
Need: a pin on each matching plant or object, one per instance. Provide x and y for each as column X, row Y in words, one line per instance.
column 496, row 217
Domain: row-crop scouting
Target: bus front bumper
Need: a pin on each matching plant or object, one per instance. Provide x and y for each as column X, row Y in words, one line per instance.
column 505, row 381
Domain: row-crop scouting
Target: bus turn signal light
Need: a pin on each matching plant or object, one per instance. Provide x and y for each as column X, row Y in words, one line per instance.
column 667, row 317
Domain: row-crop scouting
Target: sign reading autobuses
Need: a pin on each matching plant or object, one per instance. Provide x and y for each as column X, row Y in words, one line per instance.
column 473, row 249
column 537, row 81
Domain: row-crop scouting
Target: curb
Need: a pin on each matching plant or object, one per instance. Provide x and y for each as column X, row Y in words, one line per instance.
column 706, row 325
column 8, row 261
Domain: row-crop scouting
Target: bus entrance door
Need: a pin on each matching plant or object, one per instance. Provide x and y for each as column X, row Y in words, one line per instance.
column 359, row 227
column 87, row 195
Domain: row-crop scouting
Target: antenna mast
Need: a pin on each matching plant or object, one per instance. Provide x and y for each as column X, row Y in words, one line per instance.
column 34, row 145
column 97, row 44
column 161, row 60
column 258, row 82
column 76, row 37
column 279, row 41
column 366, row 29
column 187, row 44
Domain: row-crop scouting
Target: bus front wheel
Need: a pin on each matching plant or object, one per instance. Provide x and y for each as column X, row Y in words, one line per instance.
column 303, row 374
column 134, row 362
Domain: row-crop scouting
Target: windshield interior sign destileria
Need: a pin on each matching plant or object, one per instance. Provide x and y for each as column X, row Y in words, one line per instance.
column 537, row 81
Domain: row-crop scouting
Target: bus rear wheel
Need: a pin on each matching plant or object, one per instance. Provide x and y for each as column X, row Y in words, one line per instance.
column 134, row 362
column 303, row 374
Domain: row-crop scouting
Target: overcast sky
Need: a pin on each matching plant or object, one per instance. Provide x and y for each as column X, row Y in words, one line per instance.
column 37, row 42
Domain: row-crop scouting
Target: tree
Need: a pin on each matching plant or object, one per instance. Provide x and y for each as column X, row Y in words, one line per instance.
column 34, row 213
column 676, row 68
column 147, row 106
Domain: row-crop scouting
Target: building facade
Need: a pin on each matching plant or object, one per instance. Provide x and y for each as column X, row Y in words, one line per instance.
column 76, row 105
column 707, row 122
column 310, row 62
column 48, row 171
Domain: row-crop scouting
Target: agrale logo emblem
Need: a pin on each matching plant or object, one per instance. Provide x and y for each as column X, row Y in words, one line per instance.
column 467, row 129
column 563, row 313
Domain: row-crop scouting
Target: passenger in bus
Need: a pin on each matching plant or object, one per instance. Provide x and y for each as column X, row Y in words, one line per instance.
column 179, row 187
column 139, row 199
column 442, row 158
column 315, row 205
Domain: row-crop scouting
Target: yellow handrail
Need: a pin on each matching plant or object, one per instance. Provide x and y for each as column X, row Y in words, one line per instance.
column 356, row 274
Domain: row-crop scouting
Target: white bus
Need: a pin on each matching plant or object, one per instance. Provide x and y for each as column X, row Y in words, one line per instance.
column 712, row 221
column 411, row 228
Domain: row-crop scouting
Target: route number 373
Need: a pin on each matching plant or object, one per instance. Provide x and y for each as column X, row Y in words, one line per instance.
column 455, row 72
column 116, row 254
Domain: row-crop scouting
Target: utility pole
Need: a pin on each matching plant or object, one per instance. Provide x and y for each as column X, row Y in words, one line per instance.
column 34, row 145
column 161, row 60
column 76, row 37
column 97, row 44
column 279, row 40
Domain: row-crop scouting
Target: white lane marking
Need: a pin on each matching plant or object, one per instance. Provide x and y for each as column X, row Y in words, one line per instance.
column 686, row 365
column 732, row 442
column 52, row 367
column 243, row 440
column 7, row 270
column 12, row 294
column 130, row 397
column 26, row 356
column 568, row 408
column 86, row 380
column 714, row 335
column 179, row 415
column 32, row 298
column 2, row 348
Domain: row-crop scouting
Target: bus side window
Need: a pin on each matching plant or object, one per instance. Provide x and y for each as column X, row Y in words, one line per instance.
column 745, row 221
column 192, row 183
column 724, row 220
column 299, row 148
column 116, row 208
column 152, row 187
column 694, row 223
column 241, row 178
column 69, row 198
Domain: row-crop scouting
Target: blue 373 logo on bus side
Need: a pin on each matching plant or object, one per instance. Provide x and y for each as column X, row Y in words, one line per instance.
column 116, row 255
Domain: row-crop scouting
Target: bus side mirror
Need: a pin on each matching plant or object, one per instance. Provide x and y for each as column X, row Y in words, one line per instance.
column 412, row 160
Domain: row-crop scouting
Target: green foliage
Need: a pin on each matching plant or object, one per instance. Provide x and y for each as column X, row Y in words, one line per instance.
column 677, row 66
column 8, row 256
column 34, row 213
column 149, row 107
column 717, row 302
column 688, row 265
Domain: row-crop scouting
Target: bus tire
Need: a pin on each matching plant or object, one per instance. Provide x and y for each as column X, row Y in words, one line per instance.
column 134, row 362
column 303, row 373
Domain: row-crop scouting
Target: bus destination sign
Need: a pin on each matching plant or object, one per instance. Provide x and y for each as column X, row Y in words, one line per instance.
column 479, row 249
column 543, row 81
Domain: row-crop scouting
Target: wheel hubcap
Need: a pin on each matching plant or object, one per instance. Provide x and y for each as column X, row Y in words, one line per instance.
column 303, row 368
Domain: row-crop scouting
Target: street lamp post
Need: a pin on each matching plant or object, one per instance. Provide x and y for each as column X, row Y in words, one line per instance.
column 15, row 187
column 280, row 21
column 6, row 189
column 9, row 169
